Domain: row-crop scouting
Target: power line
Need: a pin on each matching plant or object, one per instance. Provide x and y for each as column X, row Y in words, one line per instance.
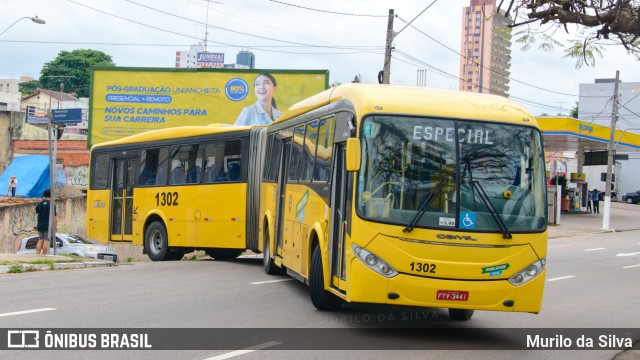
column 253, row 21
column 416, row 60
column 256, row 48
column 350, row 47
column 259, row 47
column 629, row 110
column 327, row 11
column 491, row 70
column 362, row 49
column 215, row 27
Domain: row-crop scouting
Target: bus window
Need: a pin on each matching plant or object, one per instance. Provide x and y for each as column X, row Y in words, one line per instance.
column 274, row 160
column 186, row 164
column 222, row 161
column 153, row 164
column 322, row 166
column 100, row 172
column 267, row 158
column 296, row 160
column 309, row 151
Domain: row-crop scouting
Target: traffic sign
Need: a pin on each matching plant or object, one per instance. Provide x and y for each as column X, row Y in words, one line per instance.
column 66, row 116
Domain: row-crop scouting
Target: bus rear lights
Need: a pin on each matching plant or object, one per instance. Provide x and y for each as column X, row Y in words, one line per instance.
column 528, row 273
column 374, row 262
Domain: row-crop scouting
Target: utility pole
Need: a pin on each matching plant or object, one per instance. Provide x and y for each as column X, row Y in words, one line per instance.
column 53, row 132
column 610, row 148
column 386, row 72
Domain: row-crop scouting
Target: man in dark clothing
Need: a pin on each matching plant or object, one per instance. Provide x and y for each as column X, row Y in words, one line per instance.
column 42, row 212
column 596, row 201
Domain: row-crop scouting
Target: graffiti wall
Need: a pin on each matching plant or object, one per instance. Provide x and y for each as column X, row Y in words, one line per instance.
column 19, row 220
column 76, row 176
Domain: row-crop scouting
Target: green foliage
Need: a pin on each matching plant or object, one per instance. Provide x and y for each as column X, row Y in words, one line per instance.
column 574, row 111
column 73, row 69
column 584, row 53
column 16, row 268
column 28, row 87
column 42, row 261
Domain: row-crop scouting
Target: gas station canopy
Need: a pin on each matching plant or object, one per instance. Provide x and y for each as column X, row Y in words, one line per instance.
column 570, row 134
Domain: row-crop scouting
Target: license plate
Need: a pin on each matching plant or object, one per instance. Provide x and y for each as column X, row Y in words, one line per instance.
column 452, row 295
column 108, row 257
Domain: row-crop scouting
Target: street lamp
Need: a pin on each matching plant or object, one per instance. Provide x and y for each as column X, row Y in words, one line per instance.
column 35, row 19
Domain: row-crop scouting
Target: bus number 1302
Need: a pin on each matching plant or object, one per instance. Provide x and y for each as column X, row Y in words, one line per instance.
column 167, row 199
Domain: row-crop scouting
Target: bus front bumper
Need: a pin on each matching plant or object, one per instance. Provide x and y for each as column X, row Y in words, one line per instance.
column 410, row 290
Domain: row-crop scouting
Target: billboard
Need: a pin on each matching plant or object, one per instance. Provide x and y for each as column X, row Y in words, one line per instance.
column 127, row 101
column 210, row 60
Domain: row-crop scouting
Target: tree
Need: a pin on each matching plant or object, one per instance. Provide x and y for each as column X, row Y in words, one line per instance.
column 599, row 23
column 73, row 69
column 574, row 111
column 28, row 87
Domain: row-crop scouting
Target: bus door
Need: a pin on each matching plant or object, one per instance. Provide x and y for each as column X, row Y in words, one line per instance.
column 340, row 193
column 281, row 197
column 122, row 199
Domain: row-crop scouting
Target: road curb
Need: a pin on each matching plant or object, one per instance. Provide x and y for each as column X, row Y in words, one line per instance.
column 5, row 269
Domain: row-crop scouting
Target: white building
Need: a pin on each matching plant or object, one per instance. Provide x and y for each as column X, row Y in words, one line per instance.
column 10, row 93
column 197, row 57
column 596, row 106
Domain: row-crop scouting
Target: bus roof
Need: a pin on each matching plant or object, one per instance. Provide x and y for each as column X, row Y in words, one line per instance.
column 174, row 133
column 374, row 98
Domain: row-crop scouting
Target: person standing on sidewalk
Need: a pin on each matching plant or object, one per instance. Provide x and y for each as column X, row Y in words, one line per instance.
column 589, row 201
column 596, row 201
column 42, row 212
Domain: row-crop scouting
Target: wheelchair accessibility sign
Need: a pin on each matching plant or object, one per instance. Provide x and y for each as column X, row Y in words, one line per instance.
column 467, row 220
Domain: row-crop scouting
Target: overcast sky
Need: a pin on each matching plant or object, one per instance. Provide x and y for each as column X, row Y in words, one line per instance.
column 145, row 33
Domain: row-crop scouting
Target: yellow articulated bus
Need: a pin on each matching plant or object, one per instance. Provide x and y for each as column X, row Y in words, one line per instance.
column 407, row 196
column 178, row 190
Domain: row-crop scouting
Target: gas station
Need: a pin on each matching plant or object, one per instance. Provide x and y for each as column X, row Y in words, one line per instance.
column 566, row 134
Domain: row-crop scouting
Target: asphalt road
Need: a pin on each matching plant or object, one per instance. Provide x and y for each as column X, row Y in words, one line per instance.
column 591, row 283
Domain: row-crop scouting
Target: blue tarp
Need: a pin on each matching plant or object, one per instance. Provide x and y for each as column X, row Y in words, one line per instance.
column 32, row 172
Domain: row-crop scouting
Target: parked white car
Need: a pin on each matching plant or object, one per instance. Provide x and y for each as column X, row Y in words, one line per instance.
column 71, row 245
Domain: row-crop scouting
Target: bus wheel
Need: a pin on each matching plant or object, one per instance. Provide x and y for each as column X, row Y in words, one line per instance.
column 224, row 254
column 156, row 242
column 269, row 266
column 460, row 314
column 321, row 299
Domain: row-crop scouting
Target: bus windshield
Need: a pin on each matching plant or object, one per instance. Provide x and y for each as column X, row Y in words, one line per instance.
column 452, row 174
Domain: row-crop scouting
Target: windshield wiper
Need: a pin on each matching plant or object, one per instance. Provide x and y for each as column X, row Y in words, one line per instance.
column 423, row 207
column 506, row 234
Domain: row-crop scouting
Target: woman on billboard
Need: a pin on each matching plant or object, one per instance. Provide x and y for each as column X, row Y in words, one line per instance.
column 264, row 111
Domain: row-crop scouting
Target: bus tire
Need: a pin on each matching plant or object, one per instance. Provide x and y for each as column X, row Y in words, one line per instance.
column 321, row 299
column 269, row 266
column 157, row 242
column 460, row 314
column 224, row 254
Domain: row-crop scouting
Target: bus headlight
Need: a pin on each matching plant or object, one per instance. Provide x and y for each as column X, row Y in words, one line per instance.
column 374, row 262
column 528, row 273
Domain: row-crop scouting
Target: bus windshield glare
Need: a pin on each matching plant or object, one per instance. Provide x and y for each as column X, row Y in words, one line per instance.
column 452, row 174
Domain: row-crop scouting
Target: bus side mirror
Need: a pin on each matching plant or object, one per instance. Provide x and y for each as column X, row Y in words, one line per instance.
column 353, row 154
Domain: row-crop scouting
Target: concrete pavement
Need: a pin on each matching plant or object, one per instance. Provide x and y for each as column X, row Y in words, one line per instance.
column 624, row 217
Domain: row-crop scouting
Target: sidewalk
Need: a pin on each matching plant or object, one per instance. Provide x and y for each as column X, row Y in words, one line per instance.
column 624, row 217
column 19, row 263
